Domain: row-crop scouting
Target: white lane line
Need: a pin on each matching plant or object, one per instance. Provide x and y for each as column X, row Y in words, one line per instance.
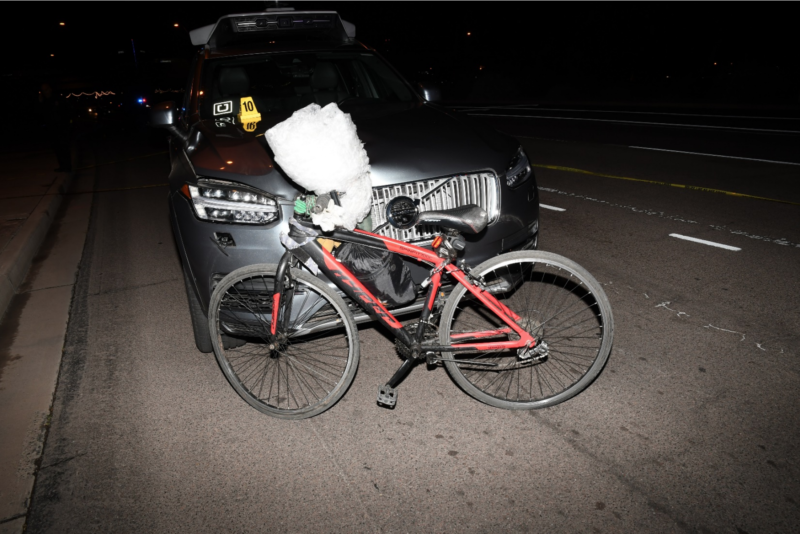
column 545, row 206
column 715, row 155
column 644, row 113
column 511, row 106
column 636, row 122
column 704, row 242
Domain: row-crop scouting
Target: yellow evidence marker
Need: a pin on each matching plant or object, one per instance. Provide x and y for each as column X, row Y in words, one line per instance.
column 248, row 114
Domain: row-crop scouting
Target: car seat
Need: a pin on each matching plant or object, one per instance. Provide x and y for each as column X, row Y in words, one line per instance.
column 269, row 87
column 326, row 84
column 233, row 81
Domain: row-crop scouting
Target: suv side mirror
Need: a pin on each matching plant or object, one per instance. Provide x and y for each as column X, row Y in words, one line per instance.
column 429, row 91
column 164, row 115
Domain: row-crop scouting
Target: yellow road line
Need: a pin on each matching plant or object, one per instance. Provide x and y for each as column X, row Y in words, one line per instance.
column 655, row 182
column 122, row 160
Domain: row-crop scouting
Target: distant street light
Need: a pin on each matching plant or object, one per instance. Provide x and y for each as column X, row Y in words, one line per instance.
column 175, row 25
column 52, row 55
column 61, row 24
column 469, row 33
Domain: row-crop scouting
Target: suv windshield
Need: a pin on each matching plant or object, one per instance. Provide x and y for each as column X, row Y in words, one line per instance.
column 280, row 83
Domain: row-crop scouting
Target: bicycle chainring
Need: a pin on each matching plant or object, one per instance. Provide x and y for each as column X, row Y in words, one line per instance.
column 431, row 334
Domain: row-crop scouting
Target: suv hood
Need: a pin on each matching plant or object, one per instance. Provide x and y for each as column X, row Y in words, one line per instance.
column 404, row 141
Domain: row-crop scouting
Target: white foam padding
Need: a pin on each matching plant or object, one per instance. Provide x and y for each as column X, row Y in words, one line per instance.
column 318, row 148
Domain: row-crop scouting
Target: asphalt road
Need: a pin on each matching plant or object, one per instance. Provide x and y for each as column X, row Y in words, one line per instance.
column 692, row 426
column 764, row 135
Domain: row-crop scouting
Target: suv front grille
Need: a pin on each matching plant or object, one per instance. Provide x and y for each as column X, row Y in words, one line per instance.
column 436, row 194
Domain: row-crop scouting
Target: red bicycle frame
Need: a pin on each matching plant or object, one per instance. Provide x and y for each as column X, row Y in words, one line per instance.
column 347, row 282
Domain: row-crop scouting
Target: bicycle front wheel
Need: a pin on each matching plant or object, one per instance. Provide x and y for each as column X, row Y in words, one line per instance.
column 301, row 370
column 559, row 303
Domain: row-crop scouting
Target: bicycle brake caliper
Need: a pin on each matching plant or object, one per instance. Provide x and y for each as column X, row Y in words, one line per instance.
column 477, row 281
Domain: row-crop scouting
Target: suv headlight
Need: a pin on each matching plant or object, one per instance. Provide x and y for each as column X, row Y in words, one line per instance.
column 519, row 169
column 217, row 200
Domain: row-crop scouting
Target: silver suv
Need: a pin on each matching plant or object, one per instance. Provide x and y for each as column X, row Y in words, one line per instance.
column 228, row 199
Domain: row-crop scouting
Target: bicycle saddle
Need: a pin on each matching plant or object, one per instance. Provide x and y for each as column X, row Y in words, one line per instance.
column 469, row 219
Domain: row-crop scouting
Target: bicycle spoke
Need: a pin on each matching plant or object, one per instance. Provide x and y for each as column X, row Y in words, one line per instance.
column 291, row 373
column 557, row 307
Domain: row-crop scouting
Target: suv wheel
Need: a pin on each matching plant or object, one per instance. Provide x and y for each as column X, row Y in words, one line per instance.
column 202, row 337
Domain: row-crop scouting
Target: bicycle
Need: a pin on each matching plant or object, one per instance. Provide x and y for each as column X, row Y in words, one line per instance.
column 523, row 330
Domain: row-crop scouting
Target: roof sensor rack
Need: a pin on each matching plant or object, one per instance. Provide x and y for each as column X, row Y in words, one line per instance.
column 244, row 27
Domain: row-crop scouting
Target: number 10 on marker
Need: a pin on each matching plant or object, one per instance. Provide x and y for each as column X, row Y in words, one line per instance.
column 248, row 111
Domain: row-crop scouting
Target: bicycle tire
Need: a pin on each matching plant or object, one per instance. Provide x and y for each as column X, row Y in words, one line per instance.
column 297, row 373
column 559, row 303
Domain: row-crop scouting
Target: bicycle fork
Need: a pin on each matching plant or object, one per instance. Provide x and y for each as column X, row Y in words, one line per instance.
column 282, row 296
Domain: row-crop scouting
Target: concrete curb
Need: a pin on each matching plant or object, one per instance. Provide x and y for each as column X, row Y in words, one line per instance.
column 16, row 258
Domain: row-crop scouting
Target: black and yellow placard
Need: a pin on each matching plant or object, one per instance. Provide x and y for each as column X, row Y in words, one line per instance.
column 248, row 111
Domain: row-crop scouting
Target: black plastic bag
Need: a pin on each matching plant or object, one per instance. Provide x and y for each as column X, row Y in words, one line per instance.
column 382, row 272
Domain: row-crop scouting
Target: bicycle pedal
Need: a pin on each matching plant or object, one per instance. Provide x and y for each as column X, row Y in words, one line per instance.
column 387, row 396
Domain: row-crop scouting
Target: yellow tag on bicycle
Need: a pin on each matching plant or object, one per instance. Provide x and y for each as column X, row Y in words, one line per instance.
column 248, row 111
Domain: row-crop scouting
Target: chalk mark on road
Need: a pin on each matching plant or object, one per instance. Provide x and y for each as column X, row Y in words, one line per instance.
column 724, row 330
column 715, row 155
column 664, row 305
column 656, row 182
column 634, row 209
column 779, row 241
column 759, row 345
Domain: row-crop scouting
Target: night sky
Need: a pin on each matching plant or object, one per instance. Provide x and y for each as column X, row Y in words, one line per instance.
column 711, row 52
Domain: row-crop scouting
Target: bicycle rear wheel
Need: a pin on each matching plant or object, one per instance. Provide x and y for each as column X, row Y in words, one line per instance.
column 298, row 372
column 560, row 304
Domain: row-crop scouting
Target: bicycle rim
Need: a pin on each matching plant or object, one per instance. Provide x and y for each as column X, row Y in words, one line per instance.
column 560, row 304
column 299, row 372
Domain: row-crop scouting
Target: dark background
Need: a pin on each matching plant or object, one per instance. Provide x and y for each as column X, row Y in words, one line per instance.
column 730, row 55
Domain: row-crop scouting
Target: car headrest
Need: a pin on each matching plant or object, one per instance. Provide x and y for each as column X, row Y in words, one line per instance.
column 233, row 81
column 300, row 70
column 325, row 76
